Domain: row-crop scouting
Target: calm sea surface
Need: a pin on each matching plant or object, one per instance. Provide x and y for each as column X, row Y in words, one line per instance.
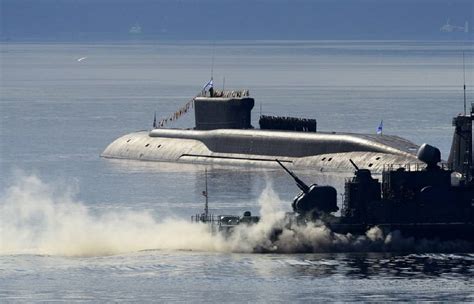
column 75, row 227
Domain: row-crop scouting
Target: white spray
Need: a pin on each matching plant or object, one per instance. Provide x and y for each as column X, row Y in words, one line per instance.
column 36, row 218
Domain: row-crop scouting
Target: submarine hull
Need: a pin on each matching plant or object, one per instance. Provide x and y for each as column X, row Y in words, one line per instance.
column 321, row 151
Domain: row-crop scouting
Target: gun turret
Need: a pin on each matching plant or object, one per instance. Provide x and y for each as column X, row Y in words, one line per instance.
column 313, row 200
column 298, row 181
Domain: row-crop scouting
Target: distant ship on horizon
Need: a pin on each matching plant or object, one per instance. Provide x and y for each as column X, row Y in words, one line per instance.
column 136, row 29
column 449, row 28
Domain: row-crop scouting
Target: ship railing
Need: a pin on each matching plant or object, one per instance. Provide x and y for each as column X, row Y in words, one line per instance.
column 204, row 218
column 216, row 223
column 225, row 94
column 411, row 167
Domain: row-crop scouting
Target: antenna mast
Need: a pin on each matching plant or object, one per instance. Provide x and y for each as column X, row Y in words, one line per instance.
column 464, row 81
column 212, row 59
column 206, row 206
column 212, row 66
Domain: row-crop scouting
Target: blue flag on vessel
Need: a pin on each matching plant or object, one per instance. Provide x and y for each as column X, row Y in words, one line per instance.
column 380, row 127
column 208, row 85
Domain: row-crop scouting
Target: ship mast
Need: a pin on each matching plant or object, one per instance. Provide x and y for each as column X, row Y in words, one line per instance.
column 206, row 205
column 464, row 81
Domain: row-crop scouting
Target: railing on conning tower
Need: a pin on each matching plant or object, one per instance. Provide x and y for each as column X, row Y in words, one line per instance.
column 225, row 94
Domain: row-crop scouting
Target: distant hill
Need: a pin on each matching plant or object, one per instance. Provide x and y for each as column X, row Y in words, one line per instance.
column 83, row 20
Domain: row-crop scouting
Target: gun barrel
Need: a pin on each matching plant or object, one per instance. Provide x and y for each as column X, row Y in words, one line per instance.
column 298, row 181
column 285, row 168
column 355, row 166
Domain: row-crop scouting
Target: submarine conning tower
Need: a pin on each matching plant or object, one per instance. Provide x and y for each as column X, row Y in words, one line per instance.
column 461, row 157
column 223, row 110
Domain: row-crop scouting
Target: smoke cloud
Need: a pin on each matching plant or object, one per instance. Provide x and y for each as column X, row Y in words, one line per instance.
column 40, row 218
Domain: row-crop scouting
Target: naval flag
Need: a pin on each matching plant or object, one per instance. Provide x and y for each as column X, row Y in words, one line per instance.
column 208, row 85
column 380, row 127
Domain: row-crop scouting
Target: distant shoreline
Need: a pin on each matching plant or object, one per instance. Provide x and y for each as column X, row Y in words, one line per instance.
column 223, row 41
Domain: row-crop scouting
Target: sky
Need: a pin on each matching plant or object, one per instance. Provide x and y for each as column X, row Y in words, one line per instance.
column 79, row 20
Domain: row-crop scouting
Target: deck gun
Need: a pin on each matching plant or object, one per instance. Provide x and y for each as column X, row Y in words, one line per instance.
column 298, row 181
column 313, row 200
column 361, row 174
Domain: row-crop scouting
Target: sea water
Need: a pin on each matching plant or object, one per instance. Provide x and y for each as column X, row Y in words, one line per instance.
column 76, row 227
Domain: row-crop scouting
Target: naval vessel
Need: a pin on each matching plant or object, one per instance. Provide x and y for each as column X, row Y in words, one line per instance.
column 223, row 134
column 430, row 202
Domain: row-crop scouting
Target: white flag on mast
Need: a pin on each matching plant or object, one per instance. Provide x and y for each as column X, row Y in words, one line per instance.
column 208, row 85
column 380, row 127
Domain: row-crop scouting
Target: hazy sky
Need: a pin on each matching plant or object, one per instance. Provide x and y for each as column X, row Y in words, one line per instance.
column 233, row 19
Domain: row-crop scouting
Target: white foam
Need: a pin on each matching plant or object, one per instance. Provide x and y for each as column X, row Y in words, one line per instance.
column 40, row 218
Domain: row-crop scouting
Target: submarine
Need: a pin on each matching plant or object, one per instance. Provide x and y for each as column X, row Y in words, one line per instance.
column 223, row 135
column 419, row 202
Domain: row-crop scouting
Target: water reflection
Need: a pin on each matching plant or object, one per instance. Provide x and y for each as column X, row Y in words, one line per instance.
column 383, row 265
